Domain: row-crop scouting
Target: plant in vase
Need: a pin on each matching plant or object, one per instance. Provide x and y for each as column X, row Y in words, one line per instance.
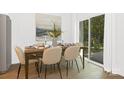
column 54, row 34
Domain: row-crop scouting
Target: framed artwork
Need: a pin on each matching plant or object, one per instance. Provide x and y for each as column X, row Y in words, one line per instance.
column 44, row 24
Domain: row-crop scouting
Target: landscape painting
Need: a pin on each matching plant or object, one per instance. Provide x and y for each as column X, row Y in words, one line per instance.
column 44, row 24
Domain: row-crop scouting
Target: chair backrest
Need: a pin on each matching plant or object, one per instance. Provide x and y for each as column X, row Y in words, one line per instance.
column 71, row 52
column 20, row 55
column 52, row 55
column 80, row 45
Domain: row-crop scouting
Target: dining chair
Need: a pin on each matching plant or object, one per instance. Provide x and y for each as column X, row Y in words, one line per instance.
column 70, row 54
column 21, row 58
column 52, row 56
column 80, row 45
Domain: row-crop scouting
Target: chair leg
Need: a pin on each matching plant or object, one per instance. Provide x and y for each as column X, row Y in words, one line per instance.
column 67, row 69
column 36, row 66
column 69, row 63
column 38, row 69
column 19, row 70
column 77, row 65
column 45, row 71
column 59, row 70
column 54, row 67
column 72, row 63
column 82, row 61
column 41, row 67
column 51, row 67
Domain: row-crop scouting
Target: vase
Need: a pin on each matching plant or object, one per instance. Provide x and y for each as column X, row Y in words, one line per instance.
column 54, row 42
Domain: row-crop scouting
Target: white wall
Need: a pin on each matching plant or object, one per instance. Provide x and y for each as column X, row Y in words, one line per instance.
column 108, row 43
column 118, row 43
column 23, row 30
column 114, row 43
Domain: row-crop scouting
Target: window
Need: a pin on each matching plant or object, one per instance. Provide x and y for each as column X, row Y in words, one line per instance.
column 96, row 34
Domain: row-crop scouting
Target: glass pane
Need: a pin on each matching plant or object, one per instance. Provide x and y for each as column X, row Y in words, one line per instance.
column 97, row 38
column 84, row 34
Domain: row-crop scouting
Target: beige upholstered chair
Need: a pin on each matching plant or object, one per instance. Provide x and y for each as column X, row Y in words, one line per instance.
column 70, row 54
column 52, row 56
column 21, row 58
column 80, row 45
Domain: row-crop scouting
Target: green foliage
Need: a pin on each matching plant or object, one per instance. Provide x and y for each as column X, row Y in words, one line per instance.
column 97, row 32
column 55, row 33
column 85, row 32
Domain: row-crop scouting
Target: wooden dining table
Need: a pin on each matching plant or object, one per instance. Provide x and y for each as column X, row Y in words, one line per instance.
column 83, row 48
column 38, row 52
column 28, row 52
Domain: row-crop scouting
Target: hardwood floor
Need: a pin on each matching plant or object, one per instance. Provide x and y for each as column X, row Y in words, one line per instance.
column 91, row 71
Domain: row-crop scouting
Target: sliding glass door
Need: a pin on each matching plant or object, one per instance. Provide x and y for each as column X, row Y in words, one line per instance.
column 92, row 36
column 97, row 38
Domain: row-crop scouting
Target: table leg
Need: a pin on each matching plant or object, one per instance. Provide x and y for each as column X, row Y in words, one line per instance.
column 26, row 66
